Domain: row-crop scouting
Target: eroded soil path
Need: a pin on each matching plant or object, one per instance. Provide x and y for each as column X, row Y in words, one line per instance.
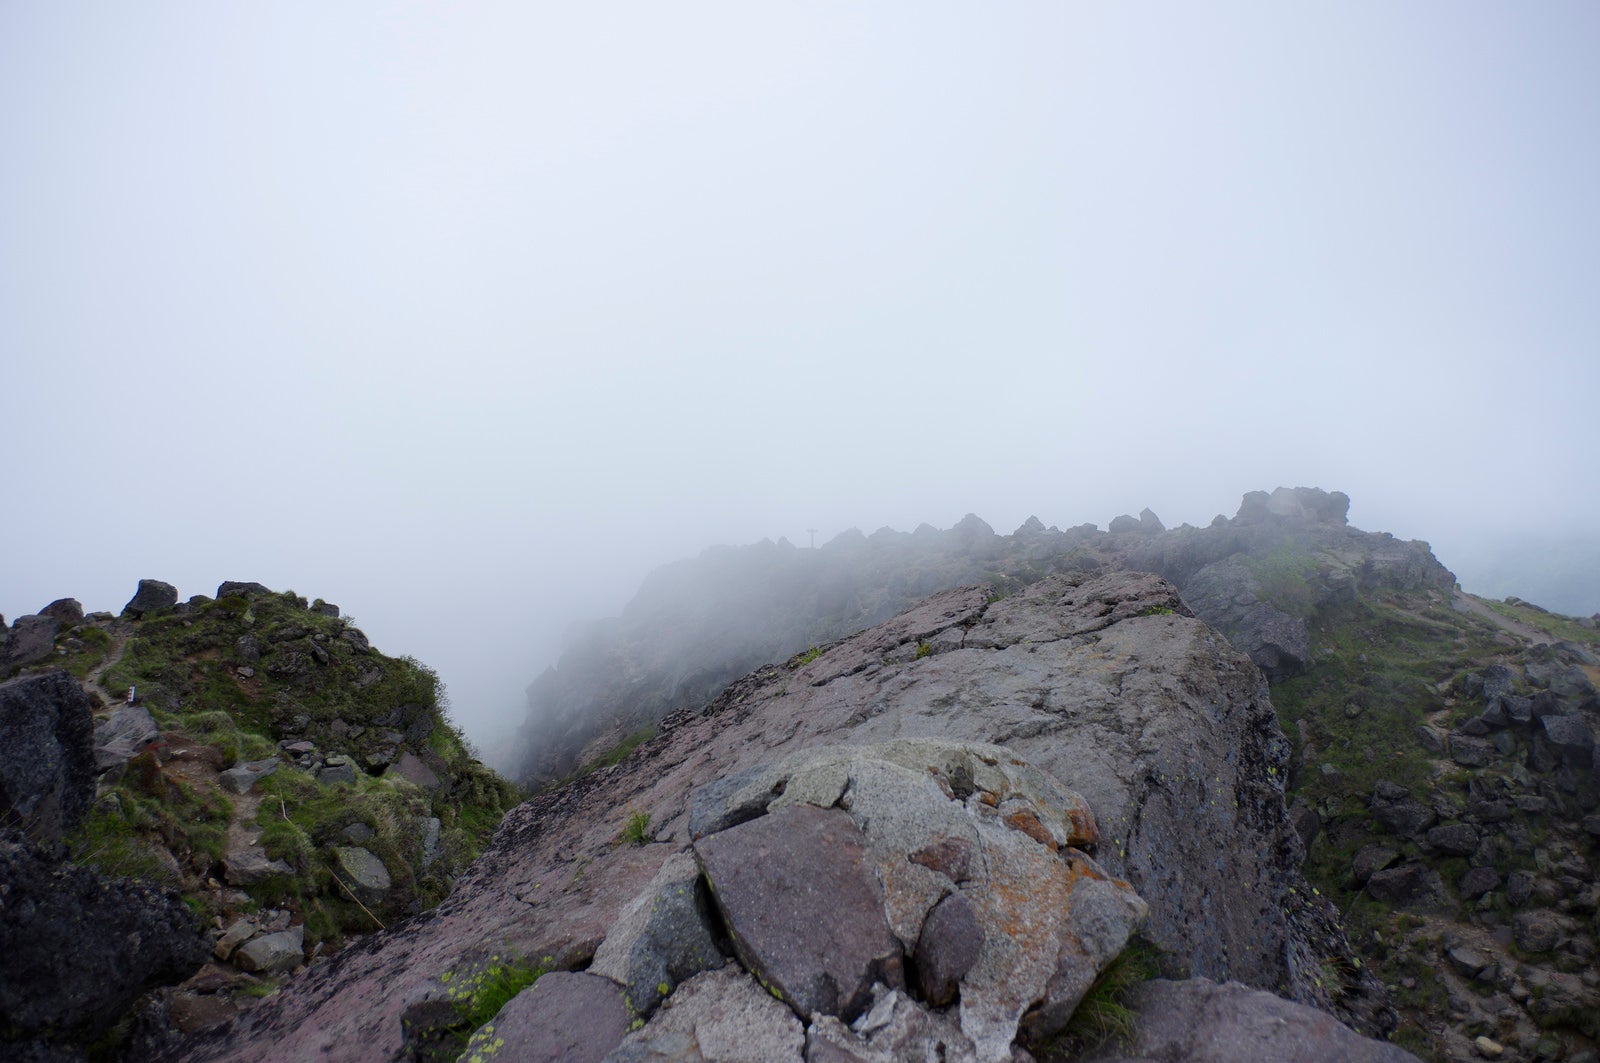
column 1462, row 602
column 120, row 630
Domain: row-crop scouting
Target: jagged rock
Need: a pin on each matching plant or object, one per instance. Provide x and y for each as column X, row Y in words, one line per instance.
column 1571, row 738
column 247, row 866
column 1540, row 930
column 32, row 639
column 240, row 931
column 721, row 1016
column 1478, row 881
column 1122, row 524
column 357, row 833
column 277, row 953
column 1468, row 961
column 322, row 608
column 663, row 938
column 79, row 947
column 68, row 612
column 1200, row 1021
column 413, row 770
column 1454, row 839
column 1415, row 886
column 804, row 911
column 895, row 1029
column 1369, row 859
column 241, row 778
column 564, row 1017
column 1398, row 812
column 363, row 872
column 123, row 735
column 153, row 596
column 1469, row 751
column 430, row 840
column 238, row 588
column 46, row 754
column 356, row 638
column 1149, row 523
column 336, row 770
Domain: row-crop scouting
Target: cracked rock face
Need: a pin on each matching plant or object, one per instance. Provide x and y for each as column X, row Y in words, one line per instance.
column 1102, row 686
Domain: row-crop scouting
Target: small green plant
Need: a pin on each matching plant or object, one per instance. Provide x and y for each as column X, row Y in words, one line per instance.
column 1103, row 1013
column 636, row 831
column 800, row 660
column 924, row 649
column 1159, row 610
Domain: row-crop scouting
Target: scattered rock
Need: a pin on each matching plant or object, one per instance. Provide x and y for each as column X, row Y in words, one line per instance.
column 1398, row 812
column 153, row 596
column 363, row 872
column 336, row 770
column 564, row 1017
column 237, row 588
column 46, row 754
column 1540, row 930
column 241, row 778
column 1454, row 839
column 277, row 953
column 1416, row 886
column 1470, row 752
column 1369, row 859
column 1478, row 881
column 412, row 769
column 247, row 866
column 950, row 945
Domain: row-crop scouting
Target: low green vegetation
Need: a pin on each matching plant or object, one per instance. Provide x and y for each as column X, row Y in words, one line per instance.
column 1561, row 627
column 477, row 994
column 1282, row 577
column 636, row 831
column 1104, row 1015
column 236, row 677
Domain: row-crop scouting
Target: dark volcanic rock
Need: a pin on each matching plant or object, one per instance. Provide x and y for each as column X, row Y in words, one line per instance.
column 1398, row 812
column 1199, row 1021
column 151, row 597
column 78, row 947
column 46, row 754
column 68, row 612
column 1410, row 886
column 805, row 911
column 230, row 588
column 32, row 639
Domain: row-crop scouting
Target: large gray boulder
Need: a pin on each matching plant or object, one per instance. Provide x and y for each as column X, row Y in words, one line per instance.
column 47, row 766
column 153, row 596
column 123, row 735
column 721, row 1016
column 68, row 612
column 804, row 909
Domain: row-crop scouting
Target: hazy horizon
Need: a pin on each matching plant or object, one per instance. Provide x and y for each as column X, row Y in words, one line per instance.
column 466, row 318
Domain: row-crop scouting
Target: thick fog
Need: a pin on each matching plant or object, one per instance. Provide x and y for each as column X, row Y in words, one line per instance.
column 466, row 316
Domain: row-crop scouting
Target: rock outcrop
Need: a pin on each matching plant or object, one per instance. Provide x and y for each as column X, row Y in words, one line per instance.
column 80, row 947
column 1136, row 779
column 47, row 763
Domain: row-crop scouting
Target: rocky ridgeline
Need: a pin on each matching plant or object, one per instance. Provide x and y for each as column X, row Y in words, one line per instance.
column 695, row 626
column 197, row 798
column 946, row 837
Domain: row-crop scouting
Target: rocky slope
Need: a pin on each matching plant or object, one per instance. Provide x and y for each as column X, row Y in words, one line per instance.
column 242, row 780
column 933, row 839
column 1442, row 745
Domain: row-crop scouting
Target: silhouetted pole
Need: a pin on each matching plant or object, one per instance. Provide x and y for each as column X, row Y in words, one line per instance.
column 813, row 532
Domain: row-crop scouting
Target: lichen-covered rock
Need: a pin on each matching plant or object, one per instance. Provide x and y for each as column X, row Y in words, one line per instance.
column 721, row 1016
column 46, row 754
column 363, row 872
column 663, row 938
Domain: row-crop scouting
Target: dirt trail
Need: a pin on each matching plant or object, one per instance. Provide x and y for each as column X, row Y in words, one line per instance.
column 1462, row 602
column 120, row 630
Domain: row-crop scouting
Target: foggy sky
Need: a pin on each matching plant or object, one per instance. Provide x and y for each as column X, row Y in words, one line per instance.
column 465, row 316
